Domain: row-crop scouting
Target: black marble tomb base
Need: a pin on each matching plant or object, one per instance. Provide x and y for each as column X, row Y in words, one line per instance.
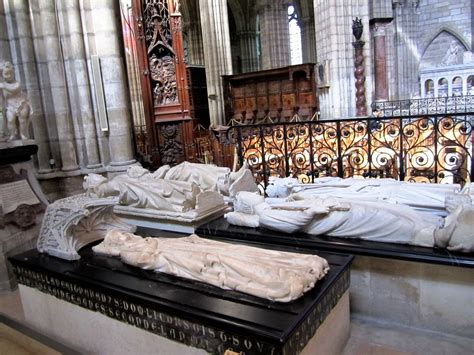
column 220, row 229
column 190, row 312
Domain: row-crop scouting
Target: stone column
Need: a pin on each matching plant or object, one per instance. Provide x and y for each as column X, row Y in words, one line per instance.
column 78, row 83
column 380, row 62
column 274, row 34
column 334, row 48
column 195, row 44
column 248, row 51
column 308, row 39
column 56, row 99
column 107, row 37
column 5, row 55
column 217, row 54
column 408, row 55
column 23, row 54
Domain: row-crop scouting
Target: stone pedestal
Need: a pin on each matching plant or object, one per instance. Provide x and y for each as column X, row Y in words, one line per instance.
column 81, row 329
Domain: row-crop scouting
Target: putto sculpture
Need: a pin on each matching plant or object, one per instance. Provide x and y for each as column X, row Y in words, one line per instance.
column 17, row 106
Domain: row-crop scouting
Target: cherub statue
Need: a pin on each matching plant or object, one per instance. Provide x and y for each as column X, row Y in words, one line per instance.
column 17, row 106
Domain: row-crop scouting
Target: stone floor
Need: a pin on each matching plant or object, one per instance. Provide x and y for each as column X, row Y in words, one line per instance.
column 368, row 336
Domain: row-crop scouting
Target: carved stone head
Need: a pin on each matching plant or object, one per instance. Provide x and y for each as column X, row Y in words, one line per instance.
column 7, row 71
column 92, row 181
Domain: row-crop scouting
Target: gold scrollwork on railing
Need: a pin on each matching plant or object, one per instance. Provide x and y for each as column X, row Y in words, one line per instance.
column 421, row 149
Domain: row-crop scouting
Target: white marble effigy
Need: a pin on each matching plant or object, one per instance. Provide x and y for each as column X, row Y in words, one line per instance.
column 378, row 221
column 423, row 197
column 274, row 275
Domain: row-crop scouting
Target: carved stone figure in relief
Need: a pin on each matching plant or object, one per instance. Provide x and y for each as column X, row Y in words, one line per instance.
column 451, row 56
column 369, row 220
column 17, row 106
column 275, row 275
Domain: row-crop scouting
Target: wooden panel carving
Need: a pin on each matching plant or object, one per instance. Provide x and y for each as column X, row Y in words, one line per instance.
column 160, row 52
column 170, row 139
column 289, row 101
column 262, row 103
column 275, row 102
column 250, row 104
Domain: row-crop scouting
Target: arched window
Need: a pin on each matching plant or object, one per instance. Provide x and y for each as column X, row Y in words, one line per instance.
column 429, row 88
column 470, row 85
column 295, row 36
column 443, row 87
column 457, row 86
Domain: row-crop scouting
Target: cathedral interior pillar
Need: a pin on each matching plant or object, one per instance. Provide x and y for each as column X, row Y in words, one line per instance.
column 217, row 54
column 75, row 62
column 274, row 34
column 248, row 50
column 106, row 44
column 308, row 39
column 53, row 78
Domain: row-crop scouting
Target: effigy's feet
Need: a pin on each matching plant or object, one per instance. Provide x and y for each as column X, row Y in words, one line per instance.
column 458, row 232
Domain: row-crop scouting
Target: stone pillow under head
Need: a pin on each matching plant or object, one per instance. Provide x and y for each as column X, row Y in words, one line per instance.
column 242, row 219
column 245, row 202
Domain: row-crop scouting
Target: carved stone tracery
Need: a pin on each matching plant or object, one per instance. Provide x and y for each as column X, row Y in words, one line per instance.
column 73, row 222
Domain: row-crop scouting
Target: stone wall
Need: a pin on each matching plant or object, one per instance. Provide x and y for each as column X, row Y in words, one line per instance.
column 418, row 34
column 333, row 25
column 422, row 33
column 432, row 297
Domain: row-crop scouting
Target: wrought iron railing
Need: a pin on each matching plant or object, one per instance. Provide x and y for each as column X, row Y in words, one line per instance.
column 435, row 148
column 426, row 106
